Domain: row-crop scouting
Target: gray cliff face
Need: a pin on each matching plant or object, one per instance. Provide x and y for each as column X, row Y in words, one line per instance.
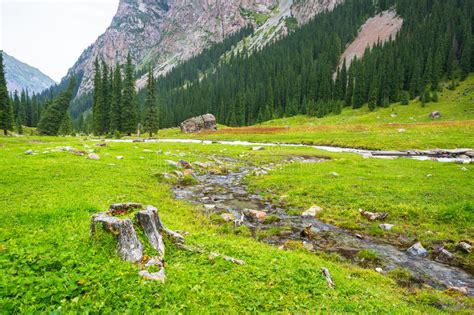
column 163, row 33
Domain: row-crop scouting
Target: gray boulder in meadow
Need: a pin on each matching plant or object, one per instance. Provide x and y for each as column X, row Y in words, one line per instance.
column 197, row 124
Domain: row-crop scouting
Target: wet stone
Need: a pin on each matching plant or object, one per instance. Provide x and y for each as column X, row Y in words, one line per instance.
column 417, row 250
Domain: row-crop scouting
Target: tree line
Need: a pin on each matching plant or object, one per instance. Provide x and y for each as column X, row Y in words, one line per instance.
column 115, row 106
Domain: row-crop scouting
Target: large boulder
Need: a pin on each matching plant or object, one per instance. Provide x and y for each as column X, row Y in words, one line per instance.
column 199, row 123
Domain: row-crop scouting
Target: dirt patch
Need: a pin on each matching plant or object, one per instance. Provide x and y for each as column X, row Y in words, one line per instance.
column 381, row 28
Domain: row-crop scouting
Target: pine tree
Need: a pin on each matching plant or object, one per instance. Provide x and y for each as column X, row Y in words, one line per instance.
column 98, row 100
column 405, row 98
column 105, row 115
column 129, row 105
column 350, row 89
column 116, row 105
column 6, row 109
column 151, row 114
column 465, row 62
column 53, row 116
column 66, row 126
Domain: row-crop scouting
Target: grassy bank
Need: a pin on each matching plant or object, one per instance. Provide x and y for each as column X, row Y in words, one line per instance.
column 49, row 264
column 427, row 201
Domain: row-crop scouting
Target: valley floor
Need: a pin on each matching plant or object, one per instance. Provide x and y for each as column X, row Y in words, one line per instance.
column 50, row 264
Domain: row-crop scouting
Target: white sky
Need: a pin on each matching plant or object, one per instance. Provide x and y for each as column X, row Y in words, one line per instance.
column 51, row 34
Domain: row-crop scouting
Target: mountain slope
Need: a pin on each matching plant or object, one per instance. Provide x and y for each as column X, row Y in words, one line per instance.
column 21, row 76
column 166, row 32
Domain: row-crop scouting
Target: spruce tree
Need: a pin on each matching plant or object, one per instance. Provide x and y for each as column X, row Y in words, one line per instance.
column 6, row 109
column 66, row 126
column 97, row 101
column 465, row 62
column 116, row 105
column 129, row 106
column 151, row 112
column 53, row 116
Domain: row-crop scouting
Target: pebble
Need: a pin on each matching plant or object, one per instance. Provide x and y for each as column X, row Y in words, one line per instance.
column 93, row 156
column 334, row 174
column 417, row 250
column 379, row 270
column 29, row 152
column 257, row 148
column 312, row 212
column 463, row 290
column 120, row 157
column 386, row 226
column 227, row 217
column 465, row 247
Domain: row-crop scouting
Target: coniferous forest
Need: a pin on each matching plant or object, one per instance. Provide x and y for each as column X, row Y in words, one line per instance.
column 300, row 74
column 295, row 75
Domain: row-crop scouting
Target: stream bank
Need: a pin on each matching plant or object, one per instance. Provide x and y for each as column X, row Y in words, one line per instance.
column 225, row 197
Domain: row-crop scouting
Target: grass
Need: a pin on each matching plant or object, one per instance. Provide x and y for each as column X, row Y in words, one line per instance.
column 408, row 128
column 427, row 201
column 49, row 263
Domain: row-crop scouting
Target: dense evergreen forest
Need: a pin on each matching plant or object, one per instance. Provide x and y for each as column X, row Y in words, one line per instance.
column 295, row 74
column 299, row 74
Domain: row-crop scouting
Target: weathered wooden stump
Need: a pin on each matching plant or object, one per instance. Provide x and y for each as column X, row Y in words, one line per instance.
column 118, row 222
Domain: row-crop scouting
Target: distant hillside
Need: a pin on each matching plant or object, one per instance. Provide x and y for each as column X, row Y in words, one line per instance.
column 21, row 76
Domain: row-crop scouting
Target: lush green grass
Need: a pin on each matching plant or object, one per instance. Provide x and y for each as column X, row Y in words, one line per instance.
column 49, row 263
column 427, row 201
column 409, row 129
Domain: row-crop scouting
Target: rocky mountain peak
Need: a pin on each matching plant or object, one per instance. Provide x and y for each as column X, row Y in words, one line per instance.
column 163, row 33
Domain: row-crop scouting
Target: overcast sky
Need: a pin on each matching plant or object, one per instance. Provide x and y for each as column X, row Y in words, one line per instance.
column 51, row 34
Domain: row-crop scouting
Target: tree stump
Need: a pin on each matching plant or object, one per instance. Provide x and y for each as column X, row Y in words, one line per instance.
column 118, row 222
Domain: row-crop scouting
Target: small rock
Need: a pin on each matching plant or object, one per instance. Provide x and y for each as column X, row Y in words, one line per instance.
column 257, row 148
column 172, row 163
column 393, row 115
column 142, row 158
column 417, row 250
column 309, row 246
column 429, row 175
column 464, row 169
column 185, row 164
column 29, row 152
column 463, row 290
column 153, row 276
column 255, row 215
column 442, row 255
column 210, row 207
column 379, row 270
column 401, row 130
column 147, row 151
column 120, row 157
column 334, row 174
column 310, row 232
column 464, row 247
column 93, row 156
column 228, row 217
column 386, row 226
column 312, row 212
column 373, row 216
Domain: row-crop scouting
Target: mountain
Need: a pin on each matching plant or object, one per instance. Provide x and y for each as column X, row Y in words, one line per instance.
column 21, row 76
column 164, row 33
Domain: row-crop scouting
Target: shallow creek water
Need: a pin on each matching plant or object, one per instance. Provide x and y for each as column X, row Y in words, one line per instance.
column 220, row 194
column 440, row 155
